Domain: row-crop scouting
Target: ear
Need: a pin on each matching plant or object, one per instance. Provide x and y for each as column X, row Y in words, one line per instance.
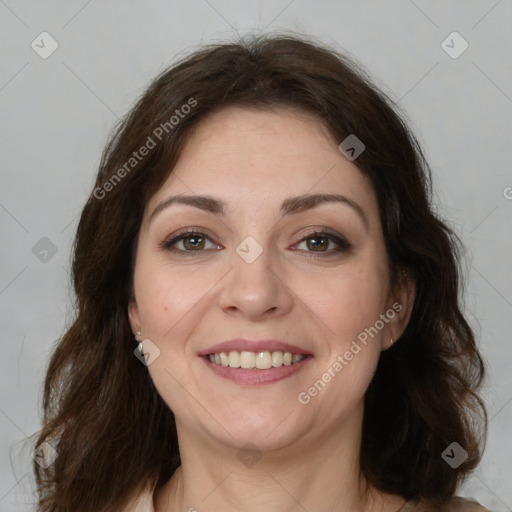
column 401, row 301
column 133, row 316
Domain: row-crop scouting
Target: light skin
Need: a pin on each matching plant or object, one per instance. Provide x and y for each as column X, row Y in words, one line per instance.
column 303, row 289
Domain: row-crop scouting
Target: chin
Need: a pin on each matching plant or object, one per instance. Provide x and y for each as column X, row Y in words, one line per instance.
column 266, row 432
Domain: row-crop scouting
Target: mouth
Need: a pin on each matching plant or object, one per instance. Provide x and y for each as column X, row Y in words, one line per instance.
column 255, row 362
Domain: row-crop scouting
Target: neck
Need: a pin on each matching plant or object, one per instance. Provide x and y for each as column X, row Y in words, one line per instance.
column 320, row 474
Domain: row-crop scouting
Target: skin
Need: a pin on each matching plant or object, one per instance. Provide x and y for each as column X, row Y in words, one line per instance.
column 253, row 160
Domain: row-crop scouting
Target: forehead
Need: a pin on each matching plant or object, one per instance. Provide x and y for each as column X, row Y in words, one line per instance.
column 247, row 155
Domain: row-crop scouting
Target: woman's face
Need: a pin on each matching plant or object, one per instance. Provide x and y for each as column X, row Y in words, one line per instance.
column 263, row 260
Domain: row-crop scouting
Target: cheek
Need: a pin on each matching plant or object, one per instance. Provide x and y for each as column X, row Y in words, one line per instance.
column 356, row 301
column 166, row 296
column 347, row 301
column 170, row 302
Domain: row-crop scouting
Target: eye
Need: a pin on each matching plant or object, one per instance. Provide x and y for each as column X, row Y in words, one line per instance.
column 321, row 241
column 192, row 242
column 188, row 242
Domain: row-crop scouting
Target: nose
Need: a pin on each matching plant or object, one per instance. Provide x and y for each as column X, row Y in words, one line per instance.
column 256, row 290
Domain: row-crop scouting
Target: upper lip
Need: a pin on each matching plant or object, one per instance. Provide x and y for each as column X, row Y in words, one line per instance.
column 245, row 345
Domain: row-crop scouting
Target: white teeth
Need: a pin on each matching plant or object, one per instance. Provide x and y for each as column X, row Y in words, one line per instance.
column 247, row 359
column 263, row 361
column 277, row 359
column 234, row 359
column 252, row 360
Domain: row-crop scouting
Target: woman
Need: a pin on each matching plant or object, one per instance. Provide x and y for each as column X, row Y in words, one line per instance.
column 267, row 307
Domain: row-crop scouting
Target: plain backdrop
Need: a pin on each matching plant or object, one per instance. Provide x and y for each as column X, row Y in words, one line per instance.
column 56, row 113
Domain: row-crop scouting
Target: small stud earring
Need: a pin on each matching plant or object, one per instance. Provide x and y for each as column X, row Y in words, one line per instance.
column 391, row 343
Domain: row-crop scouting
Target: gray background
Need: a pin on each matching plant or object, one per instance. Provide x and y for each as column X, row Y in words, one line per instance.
column 56, row 114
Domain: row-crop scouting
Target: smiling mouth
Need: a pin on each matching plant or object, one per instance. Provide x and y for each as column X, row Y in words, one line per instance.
column 264, row 360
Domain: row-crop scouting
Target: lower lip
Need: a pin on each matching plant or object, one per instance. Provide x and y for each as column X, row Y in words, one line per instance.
column 256, row 377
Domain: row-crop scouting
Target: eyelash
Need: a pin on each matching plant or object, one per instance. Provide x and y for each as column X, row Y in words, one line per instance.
column 341, row 242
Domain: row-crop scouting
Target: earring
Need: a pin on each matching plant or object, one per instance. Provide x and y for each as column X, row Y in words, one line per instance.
column 391, row 343
column 141, row 346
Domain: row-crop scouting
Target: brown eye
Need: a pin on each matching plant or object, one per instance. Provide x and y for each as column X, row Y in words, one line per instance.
column 319, row 242
column 193, row 242
column 189, row 242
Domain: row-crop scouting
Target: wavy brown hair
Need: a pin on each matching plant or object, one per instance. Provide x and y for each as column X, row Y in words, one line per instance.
column 102, row 413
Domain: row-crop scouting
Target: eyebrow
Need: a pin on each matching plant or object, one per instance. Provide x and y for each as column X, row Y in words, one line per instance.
column 289, row 206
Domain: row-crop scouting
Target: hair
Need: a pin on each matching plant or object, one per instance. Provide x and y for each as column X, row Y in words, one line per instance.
column 101, row 411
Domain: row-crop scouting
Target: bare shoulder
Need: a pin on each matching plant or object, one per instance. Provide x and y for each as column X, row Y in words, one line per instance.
column 456, row 504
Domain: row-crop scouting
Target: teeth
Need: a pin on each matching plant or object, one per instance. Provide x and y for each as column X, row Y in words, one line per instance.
column 277, row 359
column 263, row 361
column 255, row 360
column 234, row 359
column 247, row 359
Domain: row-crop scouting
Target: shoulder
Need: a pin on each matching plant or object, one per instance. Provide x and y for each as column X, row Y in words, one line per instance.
column 464, row 505
column 456, row 504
